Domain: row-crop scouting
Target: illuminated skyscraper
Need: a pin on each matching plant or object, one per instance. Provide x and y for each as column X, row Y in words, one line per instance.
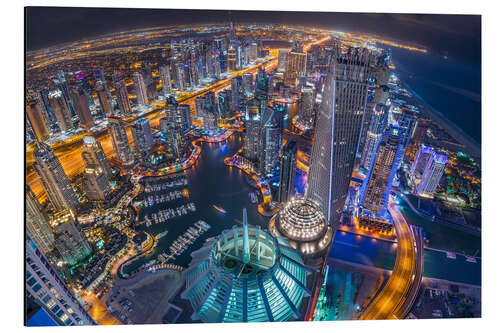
column 306, row 112
column 37, row 223
column 55, row 182
column 378, row 123
column 70, row 242
column 61, row 111
column 296, row 67
column 231, row 59
column 271, row 142
column 253, row 51
column 121, row 93
column 61, row 84
column 140, row 89
column 103, row 97
column 248, row 83
column 166, row 79
column 282, row 60
column 378, row 183
column 185, row 111
column 47, row 288
column 116, row 127
column 82, row 108
column 94, row 155
column 288, row 167
column 143, row 139
column 246, row 275
column 251, row 139
column 424, row 156
column 223, row 102
column 432, row 175
column 337, row 131
column 36, row 118
column 236, row 89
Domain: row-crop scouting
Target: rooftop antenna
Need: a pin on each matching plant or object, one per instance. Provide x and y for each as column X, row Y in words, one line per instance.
column 246, row 250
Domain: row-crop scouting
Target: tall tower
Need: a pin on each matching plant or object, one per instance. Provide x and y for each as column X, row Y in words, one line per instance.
column 36, row 118
column 231, row 58
column 61, row 110
column 121, row 93
column 94, row 155
column 103, row 97
column 55, row 182
column 251, row 139
column 424, row 156
column 337, row 131
column 166, row 79
column 82, row 108
column 70, row 242
column 378, row 183
column 143, row 139
column 432, row 175
column 140, row 89
column 47, row 288
column 377, row 125
column 116, row 127
column 306, row 112
column 271, row 142
column 288, row 167
column 37, row 223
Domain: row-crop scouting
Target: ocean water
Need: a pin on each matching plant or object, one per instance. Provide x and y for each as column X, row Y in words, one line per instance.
column 451, row 86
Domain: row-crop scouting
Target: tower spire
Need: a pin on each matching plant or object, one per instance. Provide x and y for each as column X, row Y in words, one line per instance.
column 246, row 250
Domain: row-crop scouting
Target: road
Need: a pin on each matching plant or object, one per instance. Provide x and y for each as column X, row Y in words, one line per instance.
column 401, row 284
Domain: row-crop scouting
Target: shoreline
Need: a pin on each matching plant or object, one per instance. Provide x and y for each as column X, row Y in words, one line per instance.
column 471, row 146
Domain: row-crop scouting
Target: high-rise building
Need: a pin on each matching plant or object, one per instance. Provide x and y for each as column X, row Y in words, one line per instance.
column 253, row 51
column 271, row 142
column 116, row 127
column 306, row 111
column 36, row 118
column 432, row 175
column 246, row 275
column 424, row 156
column 185, row 111
column 61, row 110
column 296, row 67
column 103, row 97
column 121, row 93
column 231, row 58
column 223, row 102
column 248, row 83
column 61, row 84
column 69, row 241
column 166, row 79
column 143, row 138
column 174, row 136
column 94, row 155
column 48, row 289
column 337, row 131
column 236, row 88
column 378, row 183
column 81, row 102
column 282, row 59
column 407, row 122
column 37, row 223
column 55, row 182
column 147, row 76
column 377, row 125
column 251, row 139
column 140, row 89
column 288, row 167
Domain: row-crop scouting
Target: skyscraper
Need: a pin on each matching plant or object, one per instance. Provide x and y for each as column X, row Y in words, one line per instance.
column 251, row 139
column 296, row 67
column 236, row 88
column 103, row 97
column 306, row 111
column 231, row 58
column 37, row 223
column 432, row 175
column 55, row 182
column 140, row 89
column 271, row 142
column 337, row 131
column 424, row 157
column 116, row 127
column 121, row 93
column 185, row 111
column 282, row 60
column 143, row 139
column 378, row 183
column 288, row 167
column 70, row 242
column 61, row 110
column 166, row 79
column 36, row 118
column 82, row 108
column 378, row 123
column 94, row 155
column 47, row 288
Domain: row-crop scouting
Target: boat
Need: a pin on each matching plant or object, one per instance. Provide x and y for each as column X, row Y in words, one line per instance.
column 221, row 210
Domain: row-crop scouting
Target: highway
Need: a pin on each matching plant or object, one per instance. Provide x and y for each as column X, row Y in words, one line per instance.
column 402, row 286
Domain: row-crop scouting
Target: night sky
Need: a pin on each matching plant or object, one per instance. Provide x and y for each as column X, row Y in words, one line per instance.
column 456, row 35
